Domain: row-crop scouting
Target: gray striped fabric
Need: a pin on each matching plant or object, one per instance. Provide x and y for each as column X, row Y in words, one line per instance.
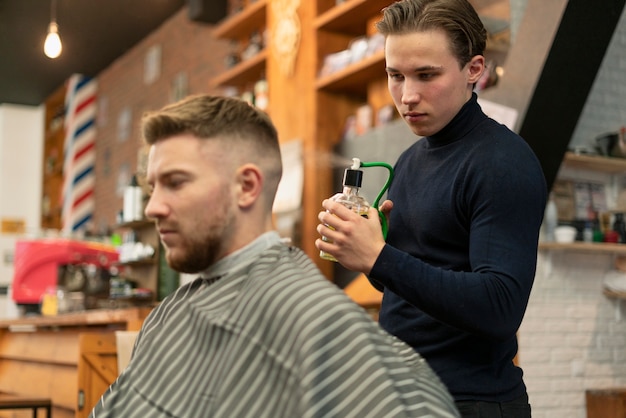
column 272, row 338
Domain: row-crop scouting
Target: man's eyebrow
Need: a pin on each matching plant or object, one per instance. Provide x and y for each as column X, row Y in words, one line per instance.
column 166, row 175
column 418, row 69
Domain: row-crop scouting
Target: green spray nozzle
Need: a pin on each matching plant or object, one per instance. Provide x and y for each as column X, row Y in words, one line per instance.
column 356, row 163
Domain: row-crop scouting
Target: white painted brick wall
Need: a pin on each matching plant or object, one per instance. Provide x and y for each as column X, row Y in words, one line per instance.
column 573, row 338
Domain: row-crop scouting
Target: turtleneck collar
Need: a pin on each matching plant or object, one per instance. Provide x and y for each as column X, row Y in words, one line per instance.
column 468, row 117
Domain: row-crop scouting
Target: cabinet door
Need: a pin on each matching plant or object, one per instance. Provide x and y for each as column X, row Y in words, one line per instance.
column 606, row 403
column 97, row 369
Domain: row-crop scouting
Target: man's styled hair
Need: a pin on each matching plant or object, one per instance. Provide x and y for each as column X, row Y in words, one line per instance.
column 234, row 122
column 209, row 117
column 457, row 18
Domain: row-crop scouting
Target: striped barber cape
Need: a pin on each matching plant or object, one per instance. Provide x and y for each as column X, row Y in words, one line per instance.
column 271, row 338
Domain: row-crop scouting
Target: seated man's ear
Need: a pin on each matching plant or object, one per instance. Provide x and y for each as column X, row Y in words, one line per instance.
column 249, row 181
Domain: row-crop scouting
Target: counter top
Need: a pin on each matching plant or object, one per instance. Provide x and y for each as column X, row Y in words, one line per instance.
column 84, row 318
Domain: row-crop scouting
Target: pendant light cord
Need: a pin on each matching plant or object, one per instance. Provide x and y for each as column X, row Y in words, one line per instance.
column 53, row 14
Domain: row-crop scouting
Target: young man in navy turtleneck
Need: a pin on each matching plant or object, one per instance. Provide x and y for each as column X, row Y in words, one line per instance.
column 464, row 208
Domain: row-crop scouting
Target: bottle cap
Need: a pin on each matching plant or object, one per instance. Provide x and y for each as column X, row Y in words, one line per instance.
column 352, row 178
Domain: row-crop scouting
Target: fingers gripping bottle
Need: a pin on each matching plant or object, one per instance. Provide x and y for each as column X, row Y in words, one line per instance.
column 349, row 197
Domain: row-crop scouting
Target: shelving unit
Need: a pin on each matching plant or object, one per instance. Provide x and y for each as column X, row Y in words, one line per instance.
column 361, row 82
column 144, row 271
column 601, row 164
column 594, row 247
column 151, row 272
column 239, row 25
column 349, row 17
column 52, row 182
column 238, row 28
column 351, row 79
column 244, row 73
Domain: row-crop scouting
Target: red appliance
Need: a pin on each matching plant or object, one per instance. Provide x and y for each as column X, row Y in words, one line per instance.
column 36, row 264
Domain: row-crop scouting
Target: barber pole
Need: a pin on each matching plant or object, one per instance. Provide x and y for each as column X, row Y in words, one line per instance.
column 79, row 153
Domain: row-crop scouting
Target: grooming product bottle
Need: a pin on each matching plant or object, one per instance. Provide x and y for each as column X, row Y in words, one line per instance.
column 550, row 220
column 349, row 197
column 133, row 205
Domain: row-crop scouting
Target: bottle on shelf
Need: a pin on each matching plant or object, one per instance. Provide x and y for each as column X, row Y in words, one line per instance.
column 550, row 220
column 620, row 227
column 588, row 232
column 598, row 234
column 133, row 201
column 350, row 198
column 261, row 97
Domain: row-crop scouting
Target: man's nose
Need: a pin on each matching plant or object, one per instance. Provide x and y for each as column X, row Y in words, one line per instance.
column 155, row 208
column 411, row 92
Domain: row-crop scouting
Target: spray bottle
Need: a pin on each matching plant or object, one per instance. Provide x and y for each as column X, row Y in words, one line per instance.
column 350, row 198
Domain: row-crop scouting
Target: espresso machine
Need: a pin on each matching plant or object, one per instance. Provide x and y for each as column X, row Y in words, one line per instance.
column 48, row 263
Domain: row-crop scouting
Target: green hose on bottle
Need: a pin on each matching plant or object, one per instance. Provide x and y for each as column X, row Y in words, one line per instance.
column 381, row 215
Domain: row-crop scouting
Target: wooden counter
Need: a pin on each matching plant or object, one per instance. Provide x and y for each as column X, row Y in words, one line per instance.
column 40, row 356
column 93, row 318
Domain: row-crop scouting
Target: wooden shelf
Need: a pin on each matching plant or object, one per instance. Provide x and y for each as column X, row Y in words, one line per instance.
column 151, row 261
column 595, row 247
column 350, row 17
column 595, row 163
column 140, row 223
column 243, row 23
column 613, row 294
column 354, row 77
column 248, row 71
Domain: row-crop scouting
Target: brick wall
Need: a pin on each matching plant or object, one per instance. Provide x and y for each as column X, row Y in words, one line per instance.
column 573, row 338
column 186, row 48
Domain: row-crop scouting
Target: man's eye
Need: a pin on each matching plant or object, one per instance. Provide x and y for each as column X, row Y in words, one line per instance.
column 396, row 77
column 427, row 76
column 173, row 184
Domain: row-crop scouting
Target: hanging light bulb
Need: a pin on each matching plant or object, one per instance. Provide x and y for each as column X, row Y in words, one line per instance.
column 52, row 47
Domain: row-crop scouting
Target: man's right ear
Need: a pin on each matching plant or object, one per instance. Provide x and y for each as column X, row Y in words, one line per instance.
column 475, row 69
column 249, row 180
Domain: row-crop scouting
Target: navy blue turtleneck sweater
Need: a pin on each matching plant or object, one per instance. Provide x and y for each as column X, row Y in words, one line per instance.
column 461, row 252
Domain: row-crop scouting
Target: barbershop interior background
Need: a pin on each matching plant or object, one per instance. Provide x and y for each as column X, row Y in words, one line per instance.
column 557, row 75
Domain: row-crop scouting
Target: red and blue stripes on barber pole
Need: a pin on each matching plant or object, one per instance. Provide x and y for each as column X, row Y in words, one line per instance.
column 79, row 153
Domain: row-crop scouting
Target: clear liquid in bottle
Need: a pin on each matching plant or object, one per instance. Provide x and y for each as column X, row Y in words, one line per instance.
column 351, row 199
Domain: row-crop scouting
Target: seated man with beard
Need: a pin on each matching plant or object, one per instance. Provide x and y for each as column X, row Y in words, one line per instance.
column 261, row 332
